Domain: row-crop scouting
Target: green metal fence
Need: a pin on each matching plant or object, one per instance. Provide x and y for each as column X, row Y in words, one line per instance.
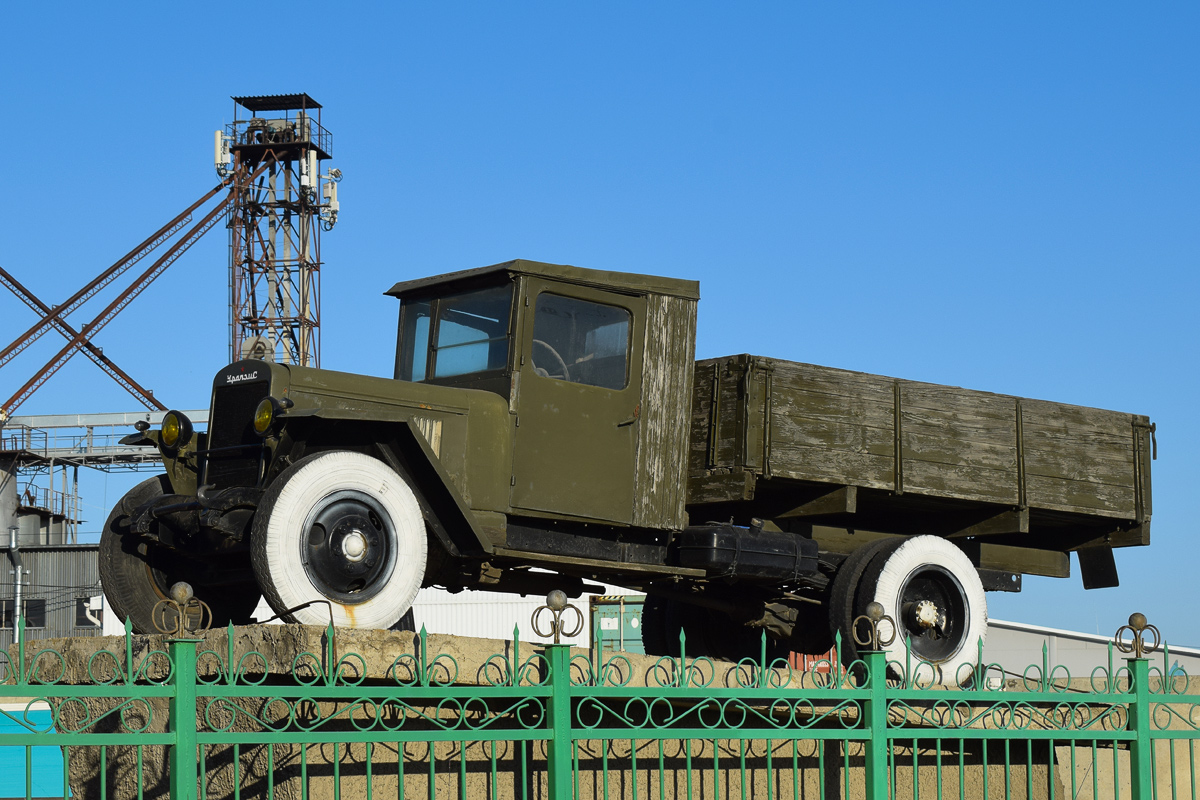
column 215, row 719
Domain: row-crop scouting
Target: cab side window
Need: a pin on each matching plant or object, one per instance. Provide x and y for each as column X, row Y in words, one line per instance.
column 581, row 342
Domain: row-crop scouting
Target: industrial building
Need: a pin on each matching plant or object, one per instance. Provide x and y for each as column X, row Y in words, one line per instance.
column 60, row 584
column 1016, row 645
column 61, row 594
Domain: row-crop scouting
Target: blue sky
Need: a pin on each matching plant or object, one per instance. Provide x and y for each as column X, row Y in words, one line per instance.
column 1003, row 197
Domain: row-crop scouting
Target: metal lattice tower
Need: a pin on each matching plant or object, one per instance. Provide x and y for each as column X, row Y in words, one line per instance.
column 275, row 224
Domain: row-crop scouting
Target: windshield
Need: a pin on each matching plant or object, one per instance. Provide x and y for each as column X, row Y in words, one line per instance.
column 459, row 334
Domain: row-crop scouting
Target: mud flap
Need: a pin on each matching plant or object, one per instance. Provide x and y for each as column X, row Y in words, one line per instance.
column 1098, row 567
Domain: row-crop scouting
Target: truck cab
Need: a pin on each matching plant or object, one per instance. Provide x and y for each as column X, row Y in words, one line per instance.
column 594, row 367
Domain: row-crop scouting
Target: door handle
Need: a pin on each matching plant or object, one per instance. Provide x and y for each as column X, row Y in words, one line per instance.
column 637, row 412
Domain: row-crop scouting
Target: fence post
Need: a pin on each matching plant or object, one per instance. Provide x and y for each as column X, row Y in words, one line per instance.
column 181, row 720
column 1141, row 749
column 875, row 714
column 558, row 749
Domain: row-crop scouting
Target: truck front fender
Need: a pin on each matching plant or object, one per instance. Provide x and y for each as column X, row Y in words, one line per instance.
column 408, row 452
column 400, row 444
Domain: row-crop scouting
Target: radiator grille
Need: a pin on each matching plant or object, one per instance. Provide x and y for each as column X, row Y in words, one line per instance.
column 231, row 424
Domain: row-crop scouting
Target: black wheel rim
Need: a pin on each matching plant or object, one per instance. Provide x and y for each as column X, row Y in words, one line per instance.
column 348, row 547
column 933, row 613
column 164, row 571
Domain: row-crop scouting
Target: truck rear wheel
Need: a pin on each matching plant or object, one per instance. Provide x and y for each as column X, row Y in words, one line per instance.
column 932, row 591
column 136, row 574
column 842, row 605
column 343, row 532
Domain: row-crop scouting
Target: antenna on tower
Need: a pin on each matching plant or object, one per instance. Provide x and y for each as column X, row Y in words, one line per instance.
column 221, row 155
column 275, row 225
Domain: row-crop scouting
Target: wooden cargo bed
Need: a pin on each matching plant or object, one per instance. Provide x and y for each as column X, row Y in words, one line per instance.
column 810, row 441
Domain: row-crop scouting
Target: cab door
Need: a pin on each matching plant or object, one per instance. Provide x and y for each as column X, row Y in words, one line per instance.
column 578, row 389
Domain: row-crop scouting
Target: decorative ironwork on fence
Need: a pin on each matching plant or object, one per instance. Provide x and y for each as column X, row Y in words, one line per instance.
column 202, row 714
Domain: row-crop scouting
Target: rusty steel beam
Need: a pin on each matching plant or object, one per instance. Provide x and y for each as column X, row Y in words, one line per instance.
column 144, row 396
column 104, row 278
column 115, row 307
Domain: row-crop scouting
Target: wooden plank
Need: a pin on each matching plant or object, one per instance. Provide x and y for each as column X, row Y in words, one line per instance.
column 1080, row 497
column 960, row 403
column 1079, row 470
column 842, row 540
column 698, row 449
column 721, row 487
column 843, row 500
column 1077, row 467
column 960, row 444
column 1137, row 536
column 660, row 480
column 1015, row 521
column 812, row 377
column 804, row 432
column 1026, row 560
column 1075, row 420
column 897, row 439
column 981, row 427
column 1145, row 451
column 960, row 481
column 831, row 466
column 757, row 397
column 963, row 426
column 847, row 383
column 730, row 413
column 949, row 450
column 873, row 412
column 715, row 439
column 1096, row 445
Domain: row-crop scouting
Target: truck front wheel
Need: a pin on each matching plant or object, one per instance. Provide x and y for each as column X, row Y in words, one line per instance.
column 136, row 573
column 343, row 533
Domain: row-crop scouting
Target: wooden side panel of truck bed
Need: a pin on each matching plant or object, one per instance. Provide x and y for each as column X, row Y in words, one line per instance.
column 780, row 419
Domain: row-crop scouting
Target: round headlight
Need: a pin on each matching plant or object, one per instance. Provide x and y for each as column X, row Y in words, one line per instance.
column 176, row 430
column 264, row 416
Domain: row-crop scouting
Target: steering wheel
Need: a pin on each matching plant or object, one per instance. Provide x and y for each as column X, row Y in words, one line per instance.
column 562, row 364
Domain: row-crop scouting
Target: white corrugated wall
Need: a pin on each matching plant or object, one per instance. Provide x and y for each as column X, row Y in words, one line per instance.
column 486, row 615
column 492, row 615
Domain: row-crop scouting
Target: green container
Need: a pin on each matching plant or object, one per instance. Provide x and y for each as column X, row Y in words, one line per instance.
column 617, row 623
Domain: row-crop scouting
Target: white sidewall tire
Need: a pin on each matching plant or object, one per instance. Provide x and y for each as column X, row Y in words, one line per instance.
column 906, row 561
column 278, row 538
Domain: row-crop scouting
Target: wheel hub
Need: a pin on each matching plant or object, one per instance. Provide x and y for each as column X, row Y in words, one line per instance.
column 925, row 614
column 349, row 552
column 933, row 613
column 354, row 546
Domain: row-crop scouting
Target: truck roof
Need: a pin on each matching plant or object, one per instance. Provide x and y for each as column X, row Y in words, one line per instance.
column 605, row 279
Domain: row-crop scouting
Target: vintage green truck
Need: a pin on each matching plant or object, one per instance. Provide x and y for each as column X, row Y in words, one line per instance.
column 548, row 426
